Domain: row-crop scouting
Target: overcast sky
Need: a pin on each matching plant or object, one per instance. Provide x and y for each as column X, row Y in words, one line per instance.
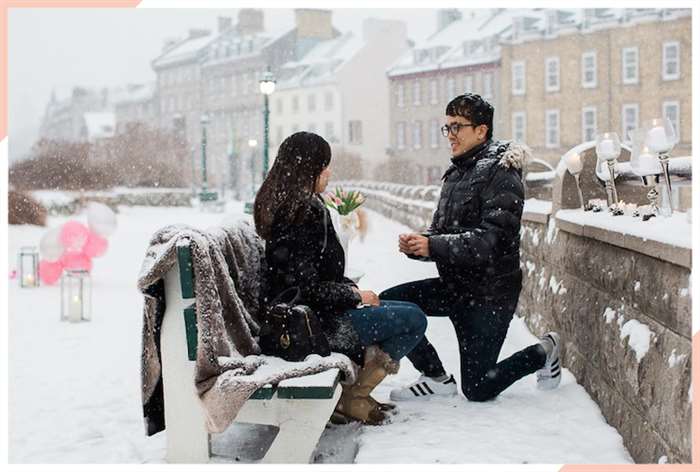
column 106, row 47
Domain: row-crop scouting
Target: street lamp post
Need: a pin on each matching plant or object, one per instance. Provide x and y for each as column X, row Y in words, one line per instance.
column 267, row 87
column 207, row 199
column 194, row 172
column 204, row 120
column 248, row 207
column 231, row 169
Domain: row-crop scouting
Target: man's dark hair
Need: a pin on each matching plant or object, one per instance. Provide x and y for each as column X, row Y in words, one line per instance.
column 474, row 108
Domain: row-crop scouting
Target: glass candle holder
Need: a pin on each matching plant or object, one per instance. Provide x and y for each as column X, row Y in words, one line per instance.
column 28, row 263
column 76, row 296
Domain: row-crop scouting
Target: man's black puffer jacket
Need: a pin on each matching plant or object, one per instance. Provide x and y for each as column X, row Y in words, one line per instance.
column 474, row 237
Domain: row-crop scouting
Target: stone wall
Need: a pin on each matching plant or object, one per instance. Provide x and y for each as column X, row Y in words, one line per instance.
column 608, row 294
column 594, row 293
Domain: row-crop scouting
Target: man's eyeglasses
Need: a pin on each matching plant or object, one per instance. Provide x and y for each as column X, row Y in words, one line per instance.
column 454, row 128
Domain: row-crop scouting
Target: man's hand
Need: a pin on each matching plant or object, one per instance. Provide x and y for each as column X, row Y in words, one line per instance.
column 403, row 243
column 418, row 245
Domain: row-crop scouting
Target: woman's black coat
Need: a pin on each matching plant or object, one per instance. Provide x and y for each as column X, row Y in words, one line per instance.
column 309, row 255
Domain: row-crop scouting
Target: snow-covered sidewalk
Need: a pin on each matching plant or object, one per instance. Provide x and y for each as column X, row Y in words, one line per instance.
column 74, row 390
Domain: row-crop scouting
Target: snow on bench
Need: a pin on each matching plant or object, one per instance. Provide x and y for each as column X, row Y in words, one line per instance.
column 298, row 408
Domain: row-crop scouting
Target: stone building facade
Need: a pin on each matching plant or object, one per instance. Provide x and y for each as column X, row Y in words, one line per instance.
column 567, row 78
column 338, row 90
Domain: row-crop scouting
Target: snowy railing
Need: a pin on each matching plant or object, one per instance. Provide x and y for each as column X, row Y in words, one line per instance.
column 70, row 202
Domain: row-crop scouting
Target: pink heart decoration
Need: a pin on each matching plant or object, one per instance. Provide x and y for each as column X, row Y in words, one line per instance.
column 76, row 261
column 50, row 272
column 73, row 236
column 95, row 246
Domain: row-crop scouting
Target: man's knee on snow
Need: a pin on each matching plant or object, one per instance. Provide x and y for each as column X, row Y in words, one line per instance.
column 477, row 389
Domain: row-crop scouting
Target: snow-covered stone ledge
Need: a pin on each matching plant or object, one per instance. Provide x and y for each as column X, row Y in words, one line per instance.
column 622, row 302
column 618, row 289
column 60, row 202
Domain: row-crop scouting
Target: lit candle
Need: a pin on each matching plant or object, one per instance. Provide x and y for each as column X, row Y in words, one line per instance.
column 606, row 149
column 647, row 164
column 573, row 163
column 656, row 139
column 29, row 280
column 75, row 309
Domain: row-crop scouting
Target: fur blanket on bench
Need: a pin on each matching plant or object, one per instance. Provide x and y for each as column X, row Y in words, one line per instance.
column 227, row 263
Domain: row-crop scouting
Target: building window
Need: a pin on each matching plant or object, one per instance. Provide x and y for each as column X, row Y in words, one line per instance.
column 328, row 103
column 400, row 95
column 518, row 78
column 434, row 174
column 330, row 132
column 295, row 104
column 280, row 106
column 433, row 92
column 671, row 65
column 551, row 126
column 400, row 135
column 434, row 134
column 589, row 70
column 630, row 119
column 450, row 88
column 311, row 100
column 519, row 124
column 355, row 132
column 468, row 84
column 551, row 74
column 416, row 92
column 417, row 134
column 671, row 110
column 488, row 84
column 630, row 65
column 589, row 123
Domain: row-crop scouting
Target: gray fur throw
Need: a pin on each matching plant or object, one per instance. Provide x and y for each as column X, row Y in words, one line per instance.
column 227, row 266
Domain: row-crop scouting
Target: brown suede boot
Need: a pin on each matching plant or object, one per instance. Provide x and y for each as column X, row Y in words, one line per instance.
column 355, row 403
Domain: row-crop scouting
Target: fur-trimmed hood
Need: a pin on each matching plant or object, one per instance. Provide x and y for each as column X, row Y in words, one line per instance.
column 515, row 155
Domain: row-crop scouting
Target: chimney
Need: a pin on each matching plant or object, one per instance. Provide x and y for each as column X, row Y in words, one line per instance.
column 224, row 23
column 447, row 16
column 195, row 33
column 250, row 21
column 313, row 24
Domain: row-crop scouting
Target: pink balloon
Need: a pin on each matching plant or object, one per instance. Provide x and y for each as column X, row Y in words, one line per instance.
column 73, row 236
column 95, row 246
column 50, row 272
column 76, row 261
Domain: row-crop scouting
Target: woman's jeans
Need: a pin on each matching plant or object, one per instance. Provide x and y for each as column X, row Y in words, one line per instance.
column 395, row 326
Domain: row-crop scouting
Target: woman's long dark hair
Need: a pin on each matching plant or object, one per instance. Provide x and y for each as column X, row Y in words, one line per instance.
column 289, row 186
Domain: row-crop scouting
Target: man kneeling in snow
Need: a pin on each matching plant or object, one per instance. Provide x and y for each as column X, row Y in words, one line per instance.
column 474, row 239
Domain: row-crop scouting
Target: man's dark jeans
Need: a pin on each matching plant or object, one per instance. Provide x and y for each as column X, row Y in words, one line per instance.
column 481, row 325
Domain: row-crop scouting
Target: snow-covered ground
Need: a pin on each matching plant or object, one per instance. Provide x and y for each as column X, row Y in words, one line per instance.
column 74, row 389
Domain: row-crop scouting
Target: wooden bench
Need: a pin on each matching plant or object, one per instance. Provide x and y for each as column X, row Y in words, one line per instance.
column 298, row 408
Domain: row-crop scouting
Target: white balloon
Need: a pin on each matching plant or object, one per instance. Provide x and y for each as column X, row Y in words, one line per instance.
column 101, row 219
column 50, row 245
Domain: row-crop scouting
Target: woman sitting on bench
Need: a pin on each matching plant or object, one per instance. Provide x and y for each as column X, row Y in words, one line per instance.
column 302, row 250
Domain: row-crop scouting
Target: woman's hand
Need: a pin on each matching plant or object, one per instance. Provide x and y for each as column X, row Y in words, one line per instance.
column 368, row 297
